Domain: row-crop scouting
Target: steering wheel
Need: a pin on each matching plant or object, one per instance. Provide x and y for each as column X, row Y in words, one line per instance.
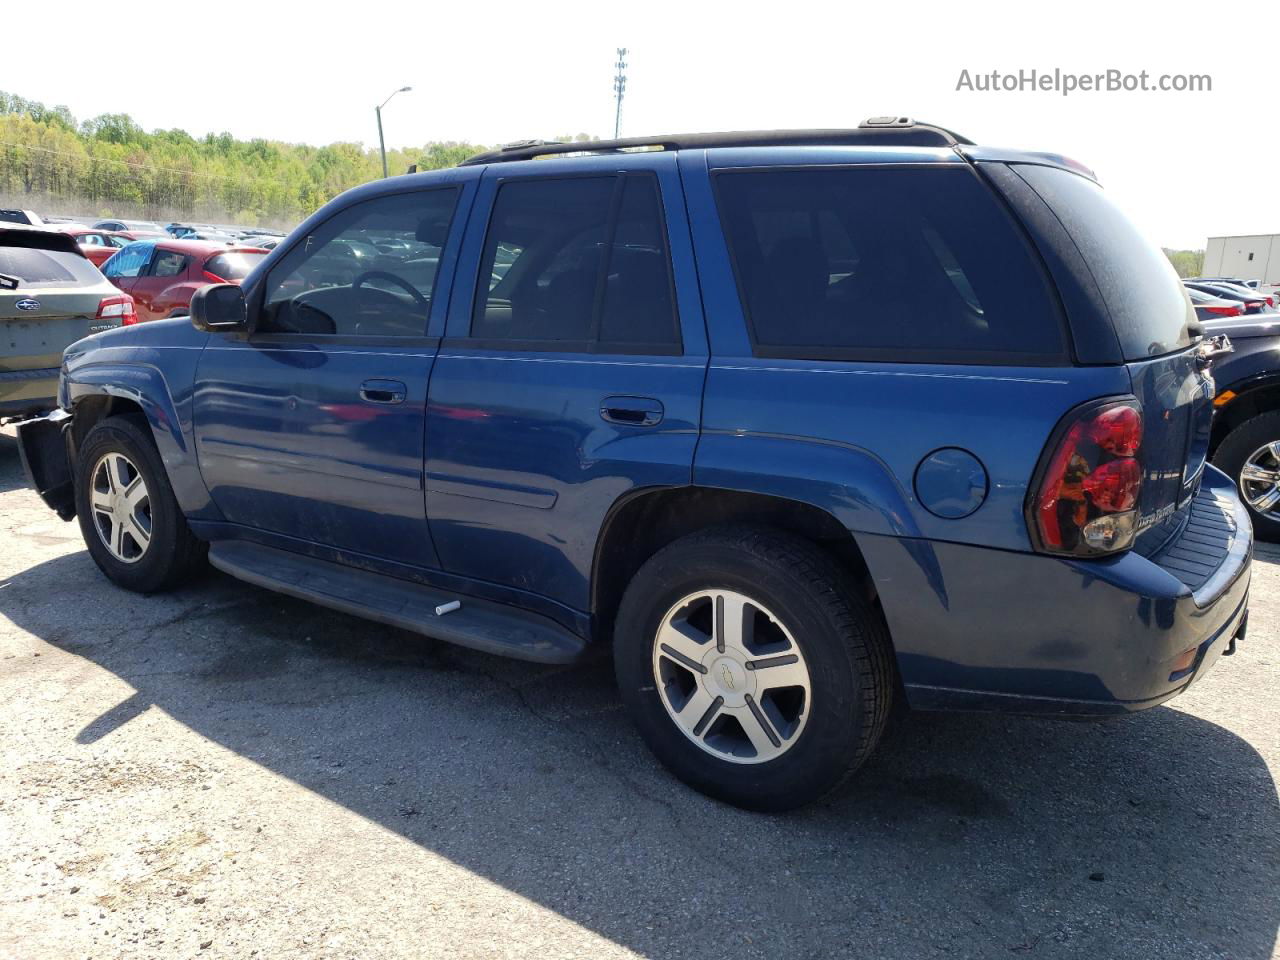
column 404, row 285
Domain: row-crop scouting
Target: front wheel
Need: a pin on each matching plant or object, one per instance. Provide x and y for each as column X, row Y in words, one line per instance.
column 750, row 667
column 129, row 517
column 1250, row 455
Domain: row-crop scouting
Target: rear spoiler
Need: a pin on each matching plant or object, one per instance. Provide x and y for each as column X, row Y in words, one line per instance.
column 36, row 239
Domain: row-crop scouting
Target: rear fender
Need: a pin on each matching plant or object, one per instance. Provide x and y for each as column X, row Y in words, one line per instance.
column 845, row 481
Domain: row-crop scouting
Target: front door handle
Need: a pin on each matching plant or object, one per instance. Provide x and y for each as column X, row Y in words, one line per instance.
column 631, row 411
column 383, row 391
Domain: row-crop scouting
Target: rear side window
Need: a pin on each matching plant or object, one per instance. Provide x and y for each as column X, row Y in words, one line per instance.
column 578, row 263
column 233, row 266
column 1138, row 284
column 34, row 266
column 168, row 263
column 878, row 263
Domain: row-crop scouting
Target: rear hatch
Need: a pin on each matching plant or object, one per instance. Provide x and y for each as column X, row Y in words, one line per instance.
column 1153, row 321
column 49, row 296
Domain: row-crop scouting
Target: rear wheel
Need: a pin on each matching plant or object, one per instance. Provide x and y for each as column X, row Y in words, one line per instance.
column 129, row 517
column 1250, row 455
column 751, row 669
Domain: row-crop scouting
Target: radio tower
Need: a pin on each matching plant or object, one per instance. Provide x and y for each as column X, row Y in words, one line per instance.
column 619, row 88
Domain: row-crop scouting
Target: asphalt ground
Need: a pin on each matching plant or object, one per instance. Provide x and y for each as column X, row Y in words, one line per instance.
column 223, row 772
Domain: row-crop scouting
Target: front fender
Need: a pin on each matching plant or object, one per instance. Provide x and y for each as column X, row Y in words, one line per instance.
column 133, row 376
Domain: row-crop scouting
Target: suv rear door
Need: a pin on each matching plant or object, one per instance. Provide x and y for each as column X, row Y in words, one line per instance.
column 572, row 370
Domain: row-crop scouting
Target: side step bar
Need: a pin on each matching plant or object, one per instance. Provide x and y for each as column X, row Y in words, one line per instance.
column 479, row 624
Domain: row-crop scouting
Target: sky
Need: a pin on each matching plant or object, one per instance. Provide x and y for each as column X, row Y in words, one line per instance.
column 1185, row 165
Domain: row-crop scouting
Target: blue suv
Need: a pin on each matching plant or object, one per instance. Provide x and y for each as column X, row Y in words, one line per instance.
column 801, row 424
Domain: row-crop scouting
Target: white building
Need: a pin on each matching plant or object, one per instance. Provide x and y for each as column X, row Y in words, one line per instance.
column 1254, row 257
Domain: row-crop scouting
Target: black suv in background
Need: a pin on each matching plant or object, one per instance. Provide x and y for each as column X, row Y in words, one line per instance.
column 1245, row 443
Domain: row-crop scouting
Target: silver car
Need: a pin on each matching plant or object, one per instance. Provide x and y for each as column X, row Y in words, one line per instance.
column 50, row 297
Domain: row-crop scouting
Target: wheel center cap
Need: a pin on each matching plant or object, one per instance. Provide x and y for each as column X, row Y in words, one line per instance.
column 727, row 678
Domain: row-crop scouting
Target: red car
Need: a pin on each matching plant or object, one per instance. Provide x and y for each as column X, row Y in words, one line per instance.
column 161, row 275
column 97, row 245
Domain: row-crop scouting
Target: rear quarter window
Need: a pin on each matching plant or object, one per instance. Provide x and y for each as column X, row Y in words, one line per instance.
column 1141, row 290
column 883, row 263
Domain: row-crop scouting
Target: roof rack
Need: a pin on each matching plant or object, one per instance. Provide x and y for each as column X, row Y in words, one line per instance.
column 878, row 131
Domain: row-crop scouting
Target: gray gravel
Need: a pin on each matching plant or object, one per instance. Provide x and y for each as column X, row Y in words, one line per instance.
column 222, row 772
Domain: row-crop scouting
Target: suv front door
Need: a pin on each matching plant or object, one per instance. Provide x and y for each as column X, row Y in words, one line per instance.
column 571, row 374
column 311, row 427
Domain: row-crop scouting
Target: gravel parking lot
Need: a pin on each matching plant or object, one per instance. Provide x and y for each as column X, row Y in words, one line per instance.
column 226, row 772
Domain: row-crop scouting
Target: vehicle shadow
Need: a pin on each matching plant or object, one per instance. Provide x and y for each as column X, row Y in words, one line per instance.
column 1151, row 836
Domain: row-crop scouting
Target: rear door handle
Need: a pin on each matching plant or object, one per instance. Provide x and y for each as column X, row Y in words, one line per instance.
column 383, row 391
column 631, row 411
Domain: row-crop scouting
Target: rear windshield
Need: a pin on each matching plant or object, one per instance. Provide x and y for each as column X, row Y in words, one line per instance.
column 233, row 266
column 35, row 266
column 875, row 263
column 1140, row 287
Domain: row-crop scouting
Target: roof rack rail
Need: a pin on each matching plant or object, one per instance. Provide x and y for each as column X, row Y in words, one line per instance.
column 877, row 131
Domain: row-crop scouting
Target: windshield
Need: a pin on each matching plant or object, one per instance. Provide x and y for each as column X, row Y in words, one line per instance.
column 233, row 267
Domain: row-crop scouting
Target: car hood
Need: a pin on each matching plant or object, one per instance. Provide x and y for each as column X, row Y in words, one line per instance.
column 1243, row 327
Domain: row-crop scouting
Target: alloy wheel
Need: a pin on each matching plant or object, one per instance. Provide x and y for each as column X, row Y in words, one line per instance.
column 1260, row 480
column 121, row 507
column 732, row 676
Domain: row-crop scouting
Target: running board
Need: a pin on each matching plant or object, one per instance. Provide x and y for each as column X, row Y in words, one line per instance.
column 479, row 624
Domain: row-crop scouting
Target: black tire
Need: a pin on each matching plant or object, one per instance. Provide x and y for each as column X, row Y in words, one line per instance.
column 1236, row 449
column 173, row 553
column 844, row 642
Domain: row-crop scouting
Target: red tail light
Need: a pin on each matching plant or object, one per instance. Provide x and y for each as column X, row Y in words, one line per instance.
column 119, row 307
column 1253, row 304
column 1231, row 311
column 212, row 277
column 1086, row 502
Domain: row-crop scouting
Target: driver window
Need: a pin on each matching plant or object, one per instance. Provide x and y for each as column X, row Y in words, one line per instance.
column 369, row 271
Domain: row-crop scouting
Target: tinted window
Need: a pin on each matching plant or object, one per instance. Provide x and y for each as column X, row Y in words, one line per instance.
column 885, row 263
column 578, row 262
column 14, row 216
column 1140, row 286
column 368, row 271
column 168, row 263
column 233, row 266
column 33, row 266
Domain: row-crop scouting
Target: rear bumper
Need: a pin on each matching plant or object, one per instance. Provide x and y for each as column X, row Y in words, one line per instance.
column 27, row 392
column 982, row 629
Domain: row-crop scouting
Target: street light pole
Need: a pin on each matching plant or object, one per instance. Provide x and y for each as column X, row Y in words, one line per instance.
column 619, row 86
column 382, row 145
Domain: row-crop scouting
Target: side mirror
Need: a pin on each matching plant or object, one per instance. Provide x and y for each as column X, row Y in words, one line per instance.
column 219, row 308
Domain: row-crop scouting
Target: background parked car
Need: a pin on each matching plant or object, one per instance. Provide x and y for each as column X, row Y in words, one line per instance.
column 145, row 226
column 161, row 275
column 1251, row 301
column 1210, row 307
column 29, row 217
column 50, row 297
column 97, row 245
column 1245, row 443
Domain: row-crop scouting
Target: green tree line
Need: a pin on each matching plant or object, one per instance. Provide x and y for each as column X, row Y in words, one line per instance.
column 1188, row 263
column 110, row 166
